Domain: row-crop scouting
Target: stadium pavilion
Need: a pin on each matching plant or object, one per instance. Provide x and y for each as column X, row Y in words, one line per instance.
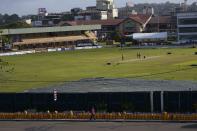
column 52, row 37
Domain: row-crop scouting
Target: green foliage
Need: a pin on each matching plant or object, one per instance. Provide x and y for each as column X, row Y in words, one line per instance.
column 101, row 107
column 7, row 19
column 116, row 36
column 5, row 66
column 15, row 25
column 195, row 107
column 127, row 106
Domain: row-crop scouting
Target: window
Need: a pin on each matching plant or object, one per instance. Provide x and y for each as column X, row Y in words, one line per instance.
column 188, row 21
column 187, row 29
column 188, row 37
column 129, row 25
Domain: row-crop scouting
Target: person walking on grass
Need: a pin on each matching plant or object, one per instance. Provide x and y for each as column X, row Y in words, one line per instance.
column 139, row 55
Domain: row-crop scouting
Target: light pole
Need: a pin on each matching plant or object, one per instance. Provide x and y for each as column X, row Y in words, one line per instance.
column 1, row 40
column 158, row 19
column 158, row 26
column 55, row 98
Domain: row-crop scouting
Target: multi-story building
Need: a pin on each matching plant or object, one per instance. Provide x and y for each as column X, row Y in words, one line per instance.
column 187, row 27
column 109, row 6
column 126, row 11
column 163, row 24
column 132, row 24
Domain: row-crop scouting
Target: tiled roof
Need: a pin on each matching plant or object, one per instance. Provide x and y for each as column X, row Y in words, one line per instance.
column 140, row 18
column 93, row 22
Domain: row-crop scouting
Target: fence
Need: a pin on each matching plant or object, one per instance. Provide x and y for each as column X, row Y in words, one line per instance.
column 104, row 102
column 100, row 116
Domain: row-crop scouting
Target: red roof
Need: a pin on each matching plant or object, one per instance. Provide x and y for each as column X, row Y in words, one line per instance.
column 93, row 22
column 140, row 18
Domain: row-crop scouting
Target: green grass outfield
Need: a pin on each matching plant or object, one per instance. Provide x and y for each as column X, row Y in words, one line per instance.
column 42, row 69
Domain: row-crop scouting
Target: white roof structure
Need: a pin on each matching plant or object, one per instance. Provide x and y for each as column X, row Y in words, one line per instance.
column 50, row 29
column 150, row 36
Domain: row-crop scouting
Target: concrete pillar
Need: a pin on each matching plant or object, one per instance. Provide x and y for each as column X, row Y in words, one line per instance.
column 162, row 101
column 152, row 101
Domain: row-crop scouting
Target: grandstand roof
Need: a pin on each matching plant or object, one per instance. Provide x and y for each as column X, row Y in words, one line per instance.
column 50, row 29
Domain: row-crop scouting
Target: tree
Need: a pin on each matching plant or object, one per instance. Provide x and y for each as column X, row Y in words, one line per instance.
column 5, row 68
column 4, row 41
column 7, row 19
column 116, row 36
column 195, row 107
column 14, row 25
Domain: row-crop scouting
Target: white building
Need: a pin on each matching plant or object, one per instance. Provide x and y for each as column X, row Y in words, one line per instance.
column 148, row 10
column 109, row 6
column 187, row 27
column 126, row 11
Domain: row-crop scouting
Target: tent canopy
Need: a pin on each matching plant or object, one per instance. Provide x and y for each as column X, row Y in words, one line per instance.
column 149, row 36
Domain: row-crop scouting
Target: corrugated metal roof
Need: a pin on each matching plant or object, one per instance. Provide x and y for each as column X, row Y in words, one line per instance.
column 93, row 22
column 50, row 29
column 140, row 18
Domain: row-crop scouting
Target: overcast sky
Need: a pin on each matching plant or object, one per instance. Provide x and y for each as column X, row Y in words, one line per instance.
column 22, row 7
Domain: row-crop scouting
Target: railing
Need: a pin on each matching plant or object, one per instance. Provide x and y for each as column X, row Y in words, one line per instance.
column 98, row 116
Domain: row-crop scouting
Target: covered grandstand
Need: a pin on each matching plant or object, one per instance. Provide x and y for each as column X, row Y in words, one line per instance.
column 51, row 37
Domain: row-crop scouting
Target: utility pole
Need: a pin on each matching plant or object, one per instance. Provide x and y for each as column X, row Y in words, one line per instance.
column 55, row 98
column 162, row 101
column 1, row 40
column 152, row 101
column 158, row 23
column 55, row 95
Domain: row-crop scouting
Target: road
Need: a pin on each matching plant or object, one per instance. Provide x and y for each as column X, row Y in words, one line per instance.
column 96, row 126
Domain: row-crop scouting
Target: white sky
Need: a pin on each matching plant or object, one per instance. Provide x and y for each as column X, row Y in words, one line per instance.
column 30, row 6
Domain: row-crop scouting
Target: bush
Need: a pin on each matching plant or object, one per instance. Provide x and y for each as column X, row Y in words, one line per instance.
column 108, row 63
column 194, row 65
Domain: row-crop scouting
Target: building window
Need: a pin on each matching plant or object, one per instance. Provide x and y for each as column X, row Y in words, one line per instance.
column 188, row 37
column 188, row 29
column 129, row 25
column 188, row 21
